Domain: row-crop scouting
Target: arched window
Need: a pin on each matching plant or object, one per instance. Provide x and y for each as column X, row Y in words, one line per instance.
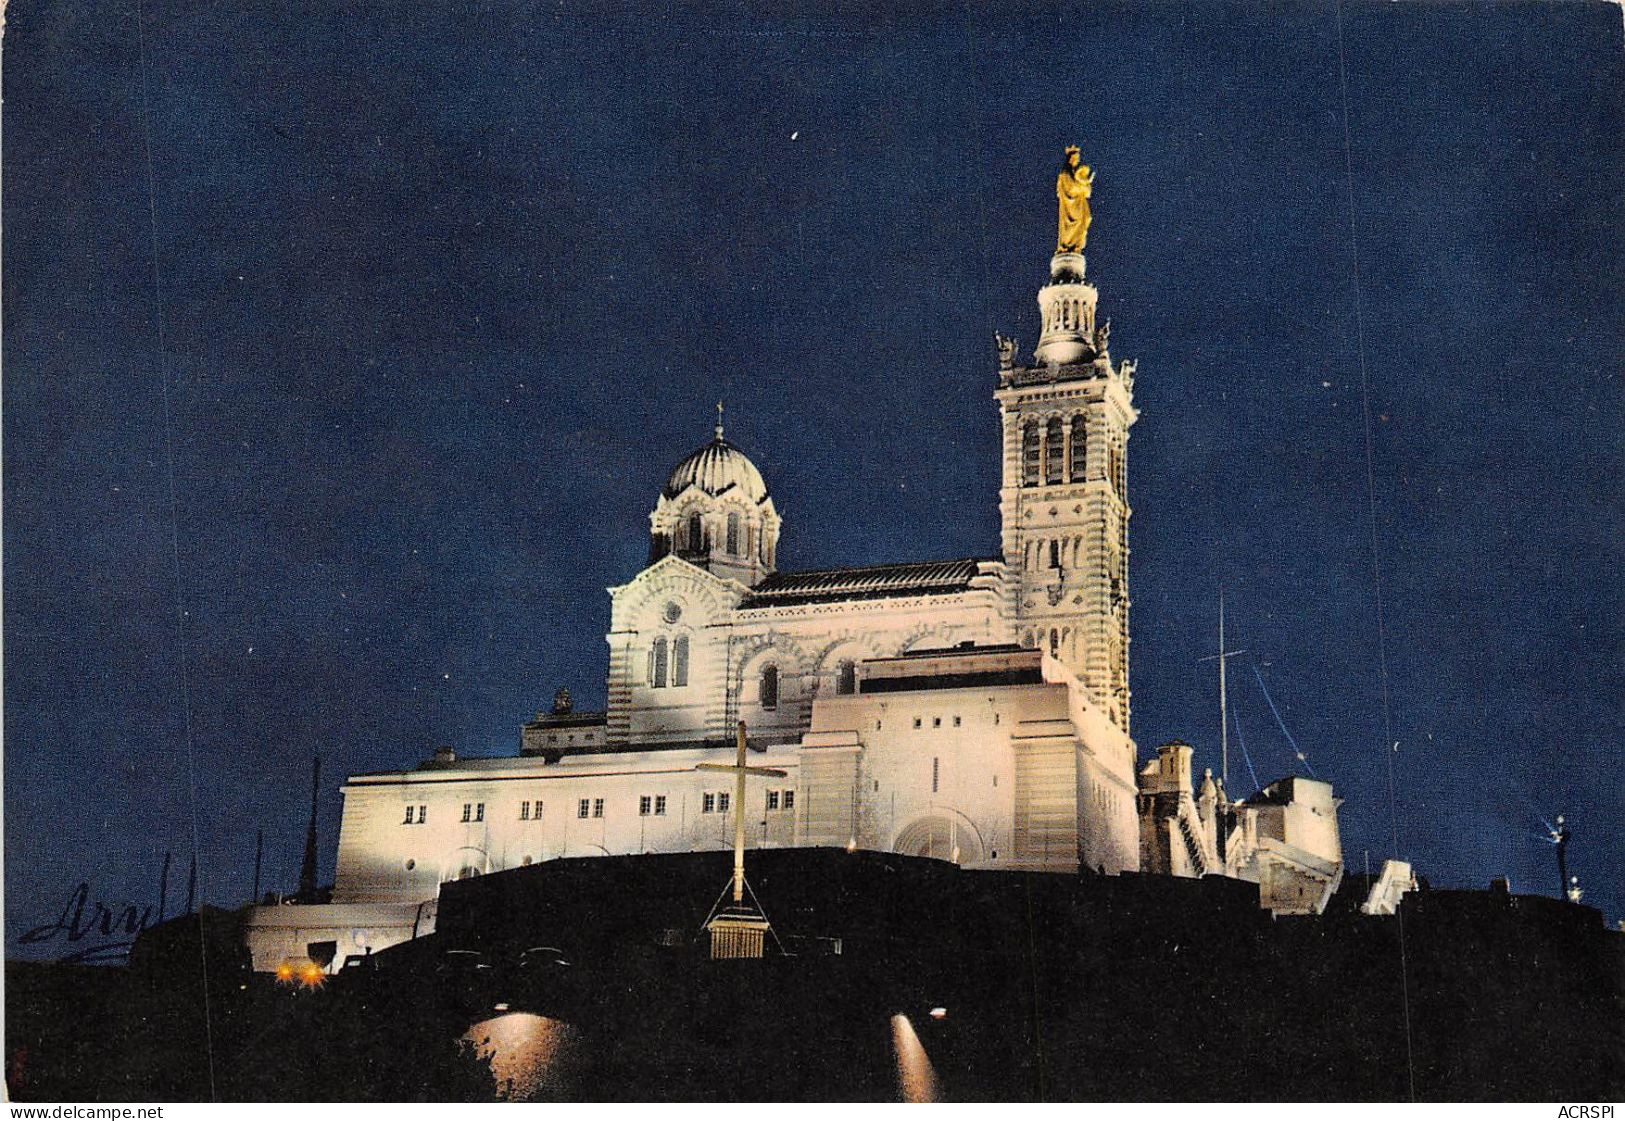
column 769, row 691
column 846, row 679
column 696, row 534
column 679, row 661
column 1054, row 643
column 733, row 535
column 657, row 665
column 1052, row 453
column 1079, row 452
column 1055, row 552
column 1029, row 454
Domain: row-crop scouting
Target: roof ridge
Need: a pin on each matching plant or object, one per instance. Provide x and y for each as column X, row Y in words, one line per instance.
column 881, row 565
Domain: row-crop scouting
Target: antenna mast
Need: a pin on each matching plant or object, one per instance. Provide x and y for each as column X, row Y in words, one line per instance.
column 1224, row 711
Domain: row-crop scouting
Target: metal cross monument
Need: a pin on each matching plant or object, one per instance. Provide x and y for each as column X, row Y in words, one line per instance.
column 740, row 770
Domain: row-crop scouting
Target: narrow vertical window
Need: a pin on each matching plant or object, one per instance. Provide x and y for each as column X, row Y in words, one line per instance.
column 645, row 805
column 769, row 691
column 524, row 811
column 1079, row 451
column 733, row 535
column 468, row 809
column 597, row 807
column 696, row 534
column 1029, row 454
column 408, row 820
column 789, row 799
column 479, row 811
column 657, row 676
column 708, row 804
column 679, row 661
column 1055, row 553
column 936, row 772
column 1054, row 643
column 722, row 802
column 582, row 807
column 660, row 805
column 846, row 679
column 772, row 799
column 422, row 811
column 1053, row 439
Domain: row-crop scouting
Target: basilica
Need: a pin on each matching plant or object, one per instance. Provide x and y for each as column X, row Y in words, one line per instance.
column 974, row 710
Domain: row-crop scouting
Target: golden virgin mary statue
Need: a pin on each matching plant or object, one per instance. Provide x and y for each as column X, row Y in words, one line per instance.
column 1072, row 188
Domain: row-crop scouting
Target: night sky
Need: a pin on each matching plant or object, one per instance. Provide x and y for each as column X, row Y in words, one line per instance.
column 345, row 355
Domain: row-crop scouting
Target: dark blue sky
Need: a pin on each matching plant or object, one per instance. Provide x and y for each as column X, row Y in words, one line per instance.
column 444, row 290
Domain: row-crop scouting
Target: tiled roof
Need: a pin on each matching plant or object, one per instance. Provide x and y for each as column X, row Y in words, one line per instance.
column 922, row 578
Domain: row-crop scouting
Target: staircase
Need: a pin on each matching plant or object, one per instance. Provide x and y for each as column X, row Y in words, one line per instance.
column 1193, row 847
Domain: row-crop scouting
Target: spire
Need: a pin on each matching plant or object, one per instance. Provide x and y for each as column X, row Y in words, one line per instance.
column 719, row 419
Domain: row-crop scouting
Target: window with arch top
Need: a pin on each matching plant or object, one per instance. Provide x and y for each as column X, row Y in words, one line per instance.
column 696, row 534
column 657, row 664
column 1052, row 459
column 846, row 678
column 733, row 535
column 1029, row 454
column 768, row 692
column 679, row 661
column 1078, row 453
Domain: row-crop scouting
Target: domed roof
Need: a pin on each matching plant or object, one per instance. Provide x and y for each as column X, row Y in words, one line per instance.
column 716, row 468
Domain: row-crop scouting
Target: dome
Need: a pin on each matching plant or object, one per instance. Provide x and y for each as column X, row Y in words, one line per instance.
column 717, row 468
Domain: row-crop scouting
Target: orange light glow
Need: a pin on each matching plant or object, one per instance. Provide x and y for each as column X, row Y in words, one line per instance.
column 311, row 976
column 916, row 1077
column 284, row 972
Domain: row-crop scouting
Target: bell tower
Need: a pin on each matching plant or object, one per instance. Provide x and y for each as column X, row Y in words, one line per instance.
column 1063, row 502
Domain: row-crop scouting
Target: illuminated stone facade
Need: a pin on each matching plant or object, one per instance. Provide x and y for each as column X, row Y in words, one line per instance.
column 974, row 709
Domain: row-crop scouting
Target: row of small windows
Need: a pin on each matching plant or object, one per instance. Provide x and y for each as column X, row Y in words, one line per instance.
column 668, row 668
column 1048, row 455
column 649, row 805
column 1059, row 637
column 1057, row 451
column 1054, row 552
column 767, row 683
column 1066, row 315
column 936, row 721
column 668, row 663
column 693, row 536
